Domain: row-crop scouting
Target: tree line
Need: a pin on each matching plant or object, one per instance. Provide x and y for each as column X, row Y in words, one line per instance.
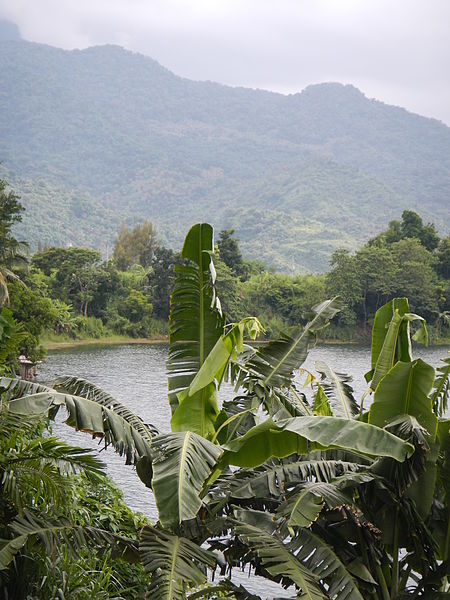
column 73, row 292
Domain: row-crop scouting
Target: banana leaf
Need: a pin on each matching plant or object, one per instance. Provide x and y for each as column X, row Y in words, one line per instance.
column 300, row 434
column 405, row 390
column 182, row 462
column 338, row 391
column 89, row 416
column 391, row 340
column 274, row 363
column 173, row 562
column 195, row 325
column 197, row 405
column 441, row 391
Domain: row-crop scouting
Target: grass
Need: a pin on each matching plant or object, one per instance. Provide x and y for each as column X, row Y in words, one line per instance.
column 58, row 342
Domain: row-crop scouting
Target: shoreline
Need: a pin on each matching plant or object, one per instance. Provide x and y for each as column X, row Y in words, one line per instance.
column 123, row 340
column 106, row 341
column 116, row 341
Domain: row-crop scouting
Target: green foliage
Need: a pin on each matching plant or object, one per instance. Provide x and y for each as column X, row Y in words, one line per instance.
column 280, row 301
column 13, row 254
column 398, row 262
column 443, row 257
column 34, row 313
column 10, row 213
column 11, row 336
column 72, row 274
column 135, row 246
column 413, row 227
column 89, row 327
column 161, row 281
column 230, row 254
column 51, row 503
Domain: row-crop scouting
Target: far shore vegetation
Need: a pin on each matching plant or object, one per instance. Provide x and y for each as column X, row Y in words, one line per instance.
column 64, row 296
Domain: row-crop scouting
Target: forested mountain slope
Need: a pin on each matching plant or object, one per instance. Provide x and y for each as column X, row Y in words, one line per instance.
column 111, row 133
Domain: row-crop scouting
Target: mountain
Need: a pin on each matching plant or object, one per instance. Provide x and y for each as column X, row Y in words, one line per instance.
column 91, row 137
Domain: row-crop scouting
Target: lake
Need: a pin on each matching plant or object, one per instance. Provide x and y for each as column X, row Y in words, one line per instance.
column 135, row 375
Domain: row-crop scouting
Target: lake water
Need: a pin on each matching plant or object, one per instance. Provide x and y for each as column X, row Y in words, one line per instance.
column 135, row 375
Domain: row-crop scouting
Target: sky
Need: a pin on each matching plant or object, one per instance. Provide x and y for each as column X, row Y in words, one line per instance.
column 397, row 51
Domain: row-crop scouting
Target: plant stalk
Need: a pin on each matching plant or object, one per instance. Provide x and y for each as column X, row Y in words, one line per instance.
column 395, row 571
column 382, row 582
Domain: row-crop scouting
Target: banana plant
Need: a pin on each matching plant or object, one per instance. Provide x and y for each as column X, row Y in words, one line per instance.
column 267, row 479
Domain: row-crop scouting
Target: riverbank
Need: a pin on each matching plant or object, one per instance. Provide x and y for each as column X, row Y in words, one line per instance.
column 55, row 344
column 52, row 344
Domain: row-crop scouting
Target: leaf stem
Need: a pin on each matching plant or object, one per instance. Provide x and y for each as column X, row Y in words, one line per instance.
column 395, row 572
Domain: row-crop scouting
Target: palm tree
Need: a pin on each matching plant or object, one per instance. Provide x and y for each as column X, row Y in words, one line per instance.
column 314, row 494
column 13, row 258
column 13, row 254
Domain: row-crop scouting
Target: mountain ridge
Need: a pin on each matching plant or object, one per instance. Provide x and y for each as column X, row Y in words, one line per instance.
column 128, row 135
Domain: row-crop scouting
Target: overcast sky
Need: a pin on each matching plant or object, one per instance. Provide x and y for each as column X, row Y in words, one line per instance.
column 397, row 51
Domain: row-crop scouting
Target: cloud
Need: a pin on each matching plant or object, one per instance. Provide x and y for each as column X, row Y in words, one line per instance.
column 395, row 50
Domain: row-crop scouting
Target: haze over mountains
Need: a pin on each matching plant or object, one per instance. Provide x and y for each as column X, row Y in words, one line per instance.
column 89, row 138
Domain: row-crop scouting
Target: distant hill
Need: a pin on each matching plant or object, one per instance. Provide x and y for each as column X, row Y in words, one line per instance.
column 9, row 31
column 91, row 137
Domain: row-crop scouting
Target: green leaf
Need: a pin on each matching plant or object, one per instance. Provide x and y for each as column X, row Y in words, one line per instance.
column 304, row 504
column 338, row 391
column 305, row 559
column 441, row 391
column 195, row 325
column 197, row 413
column 9, row 549
column 181, row 464
column 381, row 323
column 226, row 347
column 359, row 570
column 321, row 405
column 52, row 531
column 91, row 417
column 322, row 560
column 275, row 362
column 394, row 344
column 273, row 478
column 197, row 409
column 172, row 562
column 290, row 436
column 77, row 386
column 261, row 443
column 277, row 559
column 404, row 390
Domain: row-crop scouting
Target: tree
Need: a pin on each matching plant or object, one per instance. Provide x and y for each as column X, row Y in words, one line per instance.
column 230, row 254
column 135, row 246
column 34, row 313
column 10, row 213
column 60, row 517
column 416, row 277
column 377, row 271
column 343, row 280
column 412, row 227
column 13, row 254
column 160, row 280
column 307, row 482
column 73, row 272
column 443, row 258
column 274, row 295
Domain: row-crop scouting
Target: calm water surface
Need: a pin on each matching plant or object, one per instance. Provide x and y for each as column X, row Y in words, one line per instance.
column 135, row 375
